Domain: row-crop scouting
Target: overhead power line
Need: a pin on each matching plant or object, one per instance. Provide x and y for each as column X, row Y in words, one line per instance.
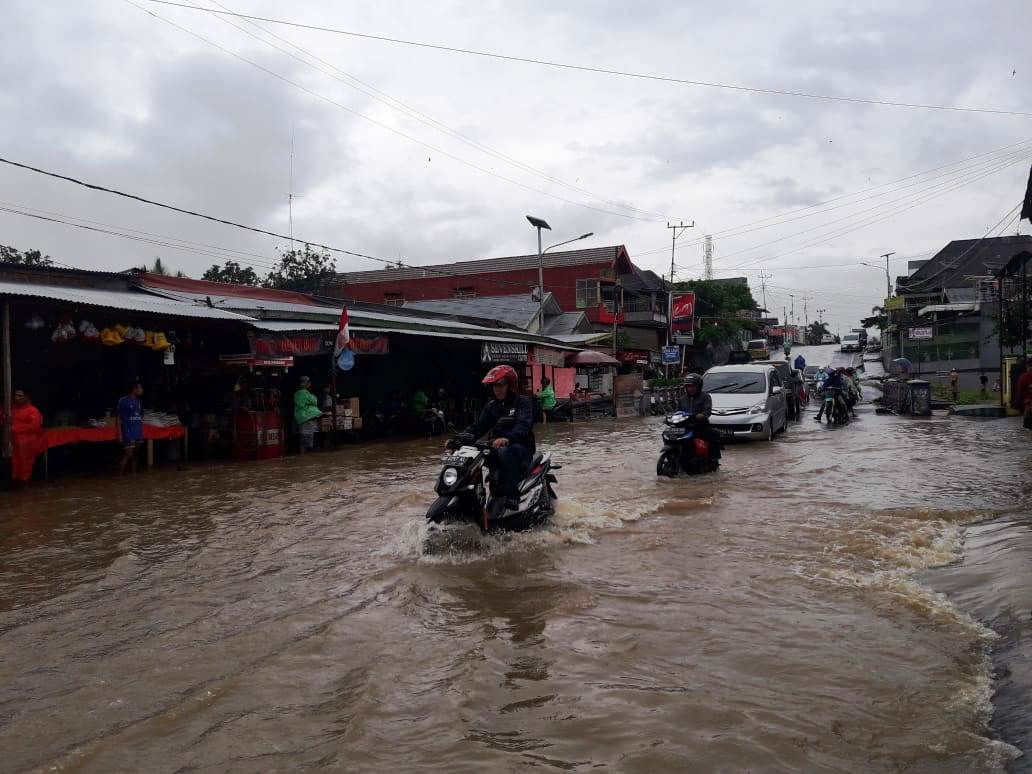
column 387, row 127
column 363, row 87
column 598, row 70
column 784, row 217
column 183, row 211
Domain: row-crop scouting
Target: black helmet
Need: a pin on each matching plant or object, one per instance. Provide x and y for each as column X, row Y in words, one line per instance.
column 693, row 379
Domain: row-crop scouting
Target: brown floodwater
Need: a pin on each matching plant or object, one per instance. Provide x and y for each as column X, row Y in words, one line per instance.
column 282, row 616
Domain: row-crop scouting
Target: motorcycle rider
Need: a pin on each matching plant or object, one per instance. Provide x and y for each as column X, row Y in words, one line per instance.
column 852, row 391
column 700, row 404
column 513, row 448
column 835, row 381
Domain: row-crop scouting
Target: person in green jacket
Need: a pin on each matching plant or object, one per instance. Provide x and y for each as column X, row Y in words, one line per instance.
column 546, row 398
column 306, row 414
column 419, row 403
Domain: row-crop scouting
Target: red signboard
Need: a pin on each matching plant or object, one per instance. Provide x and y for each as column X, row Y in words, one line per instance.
column 305, row 344
column 683, row 305
column 682, row 317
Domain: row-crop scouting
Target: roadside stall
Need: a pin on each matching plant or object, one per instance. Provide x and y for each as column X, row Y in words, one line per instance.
column 593, row 396
column 261, row 396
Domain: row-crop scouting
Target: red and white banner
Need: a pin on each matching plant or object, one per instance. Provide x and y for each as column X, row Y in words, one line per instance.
column 343, row 334
column 682, row 316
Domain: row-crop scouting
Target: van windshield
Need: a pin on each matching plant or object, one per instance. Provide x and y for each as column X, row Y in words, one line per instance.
column 851, row 337
column 758, row 344
column 730, row 381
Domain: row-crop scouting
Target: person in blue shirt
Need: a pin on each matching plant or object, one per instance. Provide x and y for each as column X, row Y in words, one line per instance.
column 129, row 423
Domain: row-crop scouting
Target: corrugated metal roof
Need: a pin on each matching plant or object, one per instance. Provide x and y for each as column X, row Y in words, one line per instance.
column 519, row 311
column 952, row 266
column 244, row 304
column 127, row 300
column 563, row 324
column 289, row 326
column 555, row 344
column 484, row 266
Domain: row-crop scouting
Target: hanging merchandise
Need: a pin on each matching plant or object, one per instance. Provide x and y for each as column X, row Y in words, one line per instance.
column 160, row 342
column 170, row 355
column 89, row 332
column 346, row 360
column 64, row 332
column 36, row 323
column 111, row 337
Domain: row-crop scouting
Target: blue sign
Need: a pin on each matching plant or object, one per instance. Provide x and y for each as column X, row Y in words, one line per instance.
column 671, row 355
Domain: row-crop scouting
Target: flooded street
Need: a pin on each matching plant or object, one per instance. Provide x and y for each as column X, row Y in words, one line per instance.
column 780, row 615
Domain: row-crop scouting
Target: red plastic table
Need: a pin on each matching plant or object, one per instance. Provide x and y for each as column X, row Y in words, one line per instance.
column 61, row 436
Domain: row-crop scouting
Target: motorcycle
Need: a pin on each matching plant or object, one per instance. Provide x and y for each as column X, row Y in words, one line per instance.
column 682, row 449
column 434, row 422
column 468, row 491
column 834, row 411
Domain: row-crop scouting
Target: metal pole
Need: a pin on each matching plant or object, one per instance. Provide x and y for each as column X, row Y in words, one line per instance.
column 541, row 285
column 888, row 276
column 999, row 333
column 7, row 377
column 1024, row 307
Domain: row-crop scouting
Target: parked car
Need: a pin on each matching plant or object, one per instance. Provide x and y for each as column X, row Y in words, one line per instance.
column 827, row 338
column 749, row 401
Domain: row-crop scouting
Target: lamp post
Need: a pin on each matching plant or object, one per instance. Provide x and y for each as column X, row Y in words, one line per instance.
column 540, row 224
column 888, row 276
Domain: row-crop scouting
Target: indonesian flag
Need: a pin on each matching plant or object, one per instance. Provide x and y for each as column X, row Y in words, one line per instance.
column 343, row 335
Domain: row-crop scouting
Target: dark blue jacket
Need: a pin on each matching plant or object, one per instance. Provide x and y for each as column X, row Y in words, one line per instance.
column 519, row 408
column 701, row 403
column 800, row 362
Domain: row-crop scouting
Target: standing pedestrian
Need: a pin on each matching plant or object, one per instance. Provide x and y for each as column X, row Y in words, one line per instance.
column 306, row 414
column 129, row 424
column 1024, row 402
column 955, row 384
column 27, row 441
column 984, row 381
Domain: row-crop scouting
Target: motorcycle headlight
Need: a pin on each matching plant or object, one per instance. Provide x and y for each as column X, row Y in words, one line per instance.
column 449, row 477
column 759, row 408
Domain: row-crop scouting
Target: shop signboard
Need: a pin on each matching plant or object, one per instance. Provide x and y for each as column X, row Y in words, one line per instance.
column 370, row 344
column 683, row 311
column 917, row 334
column 671, row 355
column 307, row 344
column 548, row 356
column 503, row 352
column 685, row 339
column 633, row 356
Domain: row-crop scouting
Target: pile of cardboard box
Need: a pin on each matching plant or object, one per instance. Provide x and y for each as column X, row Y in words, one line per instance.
column 349, row 414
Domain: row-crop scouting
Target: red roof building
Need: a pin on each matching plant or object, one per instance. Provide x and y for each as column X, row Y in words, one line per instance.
column 602, row 282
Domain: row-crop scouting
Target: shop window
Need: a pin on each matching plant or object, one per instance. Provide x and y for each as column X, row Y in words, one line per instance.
column 394, row 299
column 466, row 292
column 587, row 294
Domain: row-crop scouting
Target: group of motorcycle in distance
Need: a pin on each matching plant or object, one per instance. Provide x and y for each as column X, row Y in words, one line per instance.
column 468, row 490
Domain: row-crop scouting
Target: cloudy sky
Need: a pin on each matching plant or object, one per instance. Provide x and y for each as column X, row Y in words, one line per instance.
column 423, row 155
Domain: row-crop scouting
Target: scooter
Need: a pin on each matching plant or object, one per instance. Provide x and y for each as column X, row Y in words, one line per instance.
column 468, row 490
column 682, row 450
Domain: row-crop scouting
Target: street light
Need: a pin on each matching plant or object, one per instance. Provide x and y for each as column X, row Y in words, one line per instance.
column 888, row 277
column 539, row 224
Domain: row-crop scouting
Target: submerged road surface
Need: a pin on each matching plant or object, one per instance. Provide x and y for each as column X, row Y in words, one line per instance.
column 281, row 616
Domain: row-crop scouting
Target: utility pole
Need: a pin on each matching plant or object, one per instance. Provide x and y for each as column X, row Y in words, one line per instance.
column 763, row 287
column 676, row 230
column 888, row 277
column 707, row 259
column 793, row 307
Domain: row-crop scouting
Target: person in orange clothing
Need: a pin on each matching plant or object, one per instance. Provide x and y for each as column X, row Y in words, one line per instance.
column 26, row 436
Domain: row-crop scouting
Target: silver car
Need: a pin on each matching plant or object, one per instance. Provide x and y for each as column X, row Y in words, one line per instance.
column 748, row 401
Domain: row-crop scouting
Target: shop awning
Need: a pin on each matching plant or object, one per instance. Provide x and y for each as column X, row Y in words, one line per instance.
column 959, row 307
column 125, row 300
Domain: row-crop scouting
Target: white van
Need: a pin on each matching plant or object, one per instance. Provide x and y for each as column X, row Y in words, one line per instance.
column 851, row 343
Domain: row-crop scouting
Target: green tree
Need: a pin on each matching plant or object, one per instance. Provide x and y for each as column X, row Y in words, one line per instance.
column 28, row 258
column 304, row 270
column 232, row 273
column 816, row 331
column 723, row 322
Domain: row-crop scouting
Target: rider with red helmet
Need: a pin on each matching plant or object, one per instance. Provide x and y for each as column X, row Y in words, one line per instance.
column 513, row 442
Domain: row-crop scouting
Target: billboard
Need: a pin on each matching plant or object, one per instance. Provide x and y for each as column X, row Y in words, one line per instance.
column 682, row 311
